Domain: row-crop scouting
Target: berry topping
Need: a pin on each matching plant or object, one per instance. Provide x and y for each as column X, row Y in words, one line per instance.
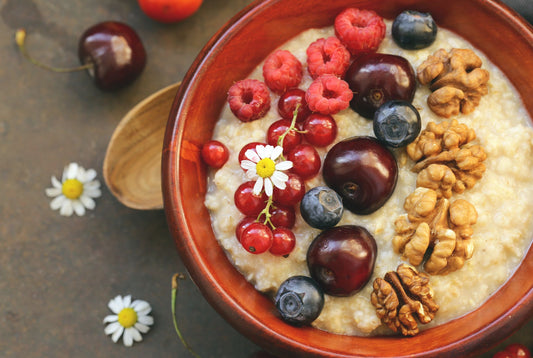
column 283, row 242
column 321, row 207
column 320, row 129
column 305, row 161
column 299, row 300
column 247, row 202
column 327, row 56
column 252, row 145
column 397, row 123
column 292, row 194
column 257, row 238
column 289, row 100
column 328, row 94
column 249, row 99
column 215, row 154
column 282, row 71
column 413, row 30
column 242, row 225
column 277, row 129
column 283, row 216
column 360, row 30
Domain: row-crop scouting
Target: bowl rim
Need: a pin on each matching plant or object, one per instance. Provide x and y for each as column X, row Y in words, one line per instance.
column 214, row 292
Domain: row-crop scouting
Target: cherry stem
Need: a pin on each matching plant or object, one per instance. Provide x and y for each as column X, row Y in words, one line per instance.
column 173, row 306
column 20, row 39
column 266, row 212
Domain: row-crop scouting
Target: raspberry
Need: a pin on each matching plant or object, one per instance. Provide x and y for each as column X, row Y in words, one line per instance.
column 328, row 94
column 249, row 99
column 327, row 56
column 360, row 30
column 282, row 71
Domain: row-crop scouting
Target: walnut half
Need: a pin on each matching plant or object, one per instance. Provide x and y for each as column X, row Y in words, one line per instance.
column 456, row 79
column 402, row 298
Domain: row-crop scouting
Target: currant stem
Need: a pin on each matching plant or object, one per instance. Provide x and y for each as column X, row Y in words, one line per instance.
column 266, row 212
column 292, row 127
column 20, row 39
column 173, row 307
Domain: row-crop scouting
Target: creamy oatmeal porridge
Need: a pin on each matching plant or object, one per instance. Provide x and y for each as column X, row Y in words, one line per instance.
column 502, row 197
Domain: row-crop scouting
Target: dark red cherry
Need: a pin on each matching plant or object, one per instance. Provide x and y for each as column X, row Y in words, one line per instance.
column 362, row 171
column 341, row 259
column 376, row 78
column 116, row 52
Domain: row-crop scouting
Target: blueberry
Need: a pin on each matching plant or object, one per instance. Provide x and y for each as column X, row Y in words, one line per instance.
column 321, row 207
column 299, row 300
column 413, row 30
column 396, row 123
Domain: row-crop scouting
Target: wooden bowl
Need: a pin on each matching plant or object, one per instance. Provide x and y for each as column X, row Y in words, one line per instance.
column 231, row 55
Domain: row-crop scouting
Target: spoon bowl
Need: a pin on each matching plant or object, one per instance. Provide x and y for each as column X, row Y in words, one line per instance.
column 132, row 163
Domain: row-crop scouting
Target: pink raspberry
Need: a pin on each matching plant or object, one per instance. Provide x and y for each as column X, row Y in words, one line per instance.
column 360, row 30
column 282, row 71
column 249, row 99
column 327, row 56
column 328, row 94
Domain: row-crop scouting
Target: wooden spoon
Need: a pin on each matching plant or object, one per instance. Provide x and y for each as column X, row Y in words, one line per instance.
column 132, row 164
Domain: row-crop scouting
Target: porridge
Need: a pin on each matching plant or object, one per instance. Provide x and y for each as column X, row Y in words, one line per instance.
column 500, row 235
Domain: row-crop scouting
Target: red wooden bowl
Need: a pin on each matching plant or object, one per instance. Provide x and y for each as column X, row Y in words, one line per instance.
column 231, row 55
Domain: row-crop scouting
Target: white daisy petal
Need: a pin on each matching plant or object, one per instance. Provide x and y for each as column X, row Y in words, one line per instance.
column 276, row 152
column 72, row 171
column 127, row 301
column 145, row 320
column 279, row 181
column 140, row 305
column 258, row 186
column 66, row 208
column 284, row 165
column 268, row 187
column 263, row 151
column 53, row 192
column 141, row 327
column 92, row 185
column 252, row 155
column 116, row 335
column 280, row 176
column 78, row 207
column 136, row 335
column 115, row 304
column 87, row 202
column 127, row 337
column 111, row 318
column 112, row 328
column 57, row 202
column 56, row 183
column 93, row 193
column 248, row 165
column 89, row 175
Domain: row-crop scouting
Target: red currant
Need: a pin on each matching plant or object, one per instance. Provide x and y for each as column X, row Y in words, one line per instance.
column 320, row 129
column 243, row 224
column 305, row 161
column 293, row 192
column 283, row 241
column 289, row 100
column 215, row 154
column 252, row 146
column 283, row 216
column 257, row 238
column 277, row 129
column 247, row 202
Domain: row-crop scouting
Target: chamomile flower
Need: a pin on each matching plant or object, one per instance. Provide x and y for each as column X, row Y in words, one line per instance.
column 261, row 166
column 75, row 192
column 129, row 320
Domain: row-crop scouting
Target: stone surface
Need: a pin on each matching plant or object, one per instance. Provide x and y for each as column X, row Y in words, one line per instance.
column 57, row 274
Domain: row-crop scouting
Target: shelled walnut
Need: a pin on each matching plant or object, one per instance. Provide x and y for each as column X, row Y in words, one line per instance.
column 402, row 297
column 436, row 229
column 448, row 143
column 456, row 79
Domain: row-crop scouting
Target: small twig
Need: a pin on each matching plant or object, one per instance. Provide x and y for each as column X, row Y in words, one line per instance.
column 175, row 278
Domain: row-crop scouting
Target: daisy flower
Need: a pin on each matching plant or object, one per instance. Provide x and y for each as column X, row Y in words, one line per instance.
column 75, row 191
column 261, row 165
column 129, row 318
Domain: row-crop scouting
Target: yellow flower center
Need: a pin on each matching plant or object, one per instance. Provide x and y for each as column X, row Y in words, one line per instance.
column 127, row 317
column 72, row 188
column 265, row 168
